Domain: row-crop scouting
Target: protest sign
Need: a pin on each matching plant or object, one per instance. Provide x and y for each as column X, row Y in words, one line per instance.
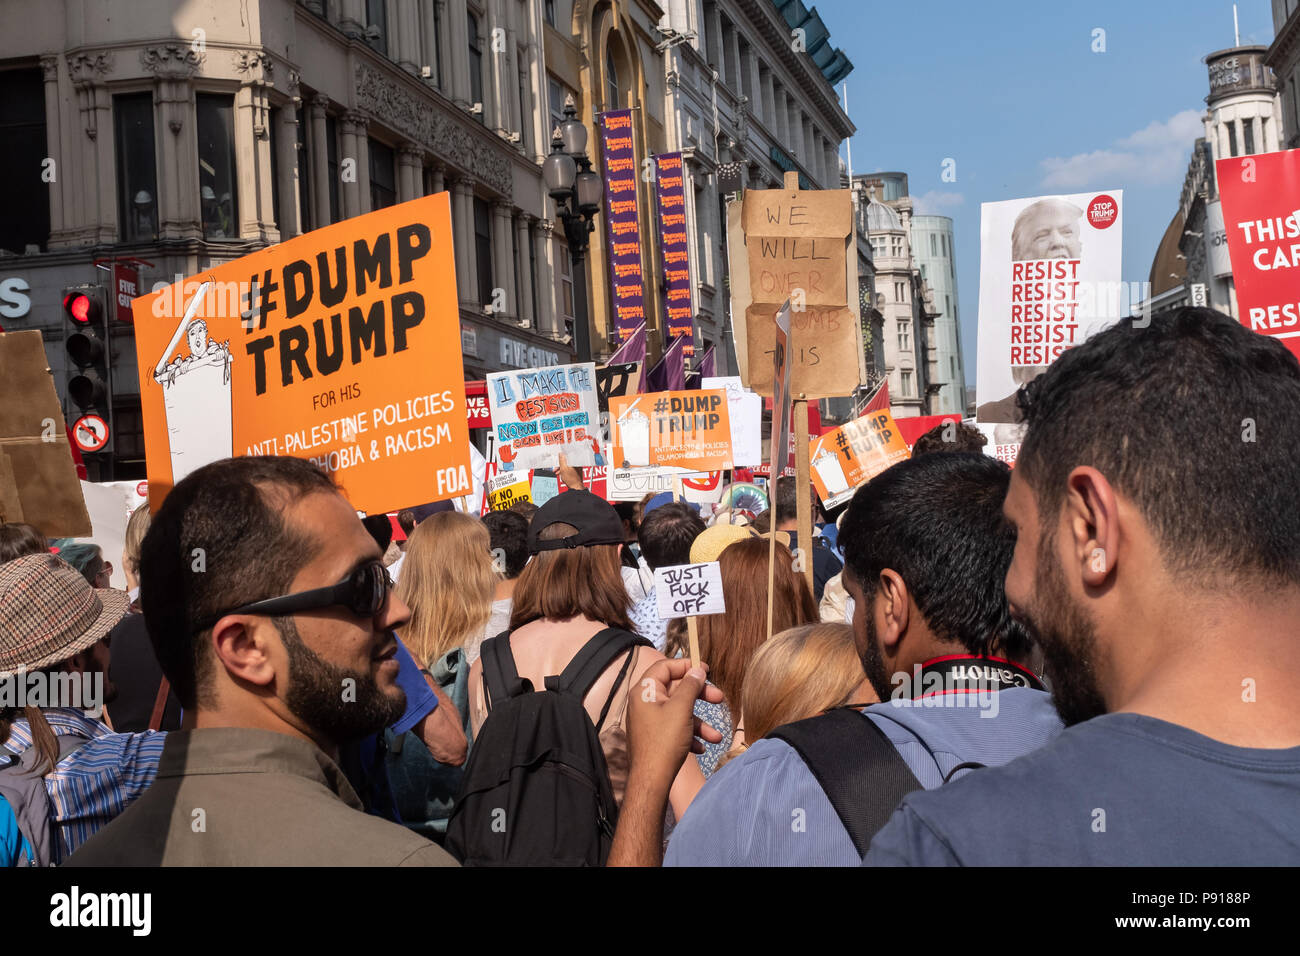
column 1049, row 278
column 797, row 245
column 689, row 590
column 544, row 487
column 1261, row 209
column 690, row 430
column 746, row 415
column 332, row 346
column 537, row 413
column 633, row 484
column 682, row 590
column 107, row 505
column 848, row 457
column 38, row 476
column 1003, row 441
column 508, row 488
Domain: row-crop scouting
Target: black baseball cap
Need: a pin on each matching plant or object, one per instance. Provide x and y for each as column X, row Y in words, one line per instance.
column 594, row 517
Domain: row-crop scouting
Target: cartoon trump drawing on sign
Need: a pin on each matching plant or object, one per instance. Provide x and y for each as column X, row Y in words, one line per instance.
column 196, row 394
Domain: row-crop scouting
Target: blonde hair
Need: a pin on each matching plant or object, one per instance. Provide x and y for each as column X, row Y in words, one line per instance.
column 136, row 528
column 800, row 673
column 448, row 582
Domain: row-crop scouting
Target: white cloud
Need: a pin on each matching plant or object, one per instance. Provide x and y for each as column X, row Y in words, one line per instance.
column 934, row 203
column 1158, row 153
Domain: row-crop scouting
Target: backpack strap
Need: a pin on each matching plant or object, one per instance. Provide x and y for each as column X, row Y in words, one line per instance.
column 862, row 772
column 500, row 676
column 160, row 704
column 593, row 660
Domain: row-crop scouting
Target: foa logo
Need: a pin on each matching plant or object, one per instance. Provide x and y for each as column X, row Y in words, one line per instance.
column 1102, row 211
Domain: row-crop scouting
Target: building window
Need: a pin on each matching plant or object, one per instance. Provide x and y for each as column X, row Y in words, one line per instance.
column 306, row 214
column 377, row 26
column 217, row 182
column 483, row 249
column 900, row 292
column 23, row 160
column 137, row 182
column 332, row 160
column 905, row 383
column 128, row 431
column 1232, row 139
column 435, row 18
column 947, row 305
column 952, row 364
column 612, row 101
column 933, row 246
column 923, row 275
column 904, row 338
column 549, row 12
column 1248, row 129
column 896, row 246
column 525, row 122
column 564, row 269
column 475, row 63
column 383, row 181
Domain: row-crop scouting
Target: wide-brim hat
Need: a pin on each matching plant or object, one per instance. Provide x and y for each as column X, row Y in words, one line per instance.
column 49, row 612
column 711, row 542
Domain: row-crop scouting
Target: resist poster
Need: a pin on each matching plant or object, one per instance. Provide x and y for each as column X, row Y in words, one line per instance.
column 1261, row 210
column 1049, row 278
column 539, row 412
column 341, row 346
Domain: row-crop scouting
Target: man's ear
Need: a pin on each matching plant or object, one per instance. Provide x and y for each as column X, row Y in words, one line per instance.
column 1092, row 520
column 892, row 604
column 240, row 647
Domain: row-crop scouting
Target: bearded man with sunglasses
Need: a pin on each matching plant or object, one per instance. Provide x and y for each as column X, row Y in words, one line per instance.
column 272, row 615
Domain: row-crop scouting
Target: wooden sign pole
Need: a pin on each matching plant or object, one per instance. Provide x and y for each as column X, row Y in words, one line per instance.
column 771, row 547
column 803, row 512
column 693, row 635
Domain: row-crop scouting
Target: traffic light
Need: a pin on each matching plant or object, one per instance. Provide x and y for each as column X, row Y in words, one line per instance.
column 85, row 339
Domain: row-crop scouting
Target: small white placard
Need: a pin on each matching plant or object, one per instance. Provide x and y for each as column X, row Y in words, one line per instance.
column 689, row 590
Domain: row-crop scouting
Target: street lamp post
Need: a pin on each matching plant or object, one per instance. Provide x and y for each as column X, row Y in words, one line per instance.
column 577, row 193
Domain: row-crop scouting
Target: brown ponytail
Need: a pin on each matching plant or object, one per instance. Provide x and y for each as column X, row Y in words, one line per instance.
column 44, row 742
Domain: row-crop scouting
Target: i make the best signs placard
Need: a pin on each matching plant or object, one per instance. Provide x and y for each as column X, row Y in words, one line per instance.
column 537, row 413
column 341, row 346
column 1261, row 208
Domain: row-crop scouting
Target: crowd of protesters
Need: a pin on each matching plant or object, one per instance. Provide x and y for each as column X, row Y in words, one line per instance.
column 1077, row 661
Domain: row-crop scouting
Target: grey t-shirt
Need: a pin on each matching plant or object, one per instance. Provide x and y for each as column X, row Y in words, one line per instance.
column 1118, row 790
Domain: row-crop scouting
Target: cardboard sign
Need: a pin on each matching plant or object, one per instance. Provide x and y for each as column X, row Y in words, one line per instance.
column 544, row 488
column 633, row 484
column 689, row 590
column 539, row 412
column 1261, row 208
column 333, row 346
column 797, row 245
column 746, row 413
column 507, row 489
column 1049, row 279
column 689, row 430
column 38, row 477
column 845, row 459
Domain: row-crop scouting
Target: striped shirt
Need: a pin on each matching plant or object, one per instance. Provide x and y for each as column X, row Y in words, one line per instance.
column 95, row 783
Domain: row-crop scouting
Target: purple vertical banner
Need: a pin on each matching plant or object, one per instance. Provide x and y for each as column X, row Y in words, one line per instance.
column 671, row 206
column 622, row 229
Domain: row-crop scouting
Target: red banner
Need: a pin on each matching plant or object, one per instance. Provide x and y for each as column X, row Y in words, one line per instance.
column 1261, row 210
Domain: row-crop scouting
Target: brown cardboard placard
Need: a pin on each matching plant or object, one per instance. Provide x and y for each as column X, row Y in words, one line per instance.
column 798, row 245
column 38, row 478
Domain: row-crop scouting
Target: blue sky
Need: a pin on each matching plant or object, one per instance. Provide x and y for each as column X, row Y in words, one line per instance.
column 1014, row 93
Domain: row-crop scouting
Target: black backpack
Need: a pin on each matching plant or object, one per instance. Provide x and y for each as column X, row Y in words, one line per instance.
column 536, row 790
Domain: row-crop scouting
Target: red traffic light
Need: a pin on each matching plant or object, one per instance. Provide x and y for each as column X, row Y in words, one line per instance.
column 81, row 307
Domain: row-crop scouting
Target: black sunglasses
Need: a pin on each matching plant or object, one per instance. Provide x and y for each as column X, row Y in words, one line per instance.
column 363, row 592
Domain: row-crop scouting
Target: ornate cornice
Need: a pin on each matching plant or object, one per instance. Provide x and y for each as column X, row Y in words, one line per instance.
column 438, row 132
column 88, row 67
column 50, row 68
column 171, row 60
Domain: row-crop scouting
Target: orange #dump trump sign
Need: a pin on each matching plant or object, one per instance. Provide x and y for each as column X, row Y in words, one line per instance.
column 690, row 430
column 341, row 346
column 848, row 457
